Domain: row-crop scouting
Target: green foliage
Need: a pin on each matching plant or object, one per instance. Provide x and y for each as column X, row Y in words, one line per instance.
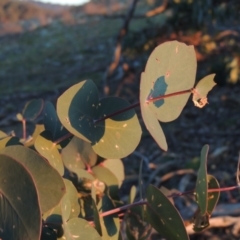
column 170, row 68
column 55, row 184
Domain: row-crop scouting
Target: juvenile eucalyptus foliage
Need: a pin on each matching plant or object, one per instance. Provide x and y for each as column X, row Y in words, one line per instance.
column 54, row 185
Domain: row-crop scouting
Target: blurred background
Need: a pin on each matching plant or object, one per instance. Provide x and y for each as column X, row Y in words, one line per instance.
column 45, row 48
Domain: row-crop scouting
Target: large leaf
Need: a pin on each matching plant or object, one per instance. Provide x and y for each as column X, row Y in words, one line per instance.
column 79, row 109
column 201, row 185
column 49, row 183
column 32, row 109
column 163, row 216
column 48, row 149
column 170, row 68
column 20, row 216
column 78, row 154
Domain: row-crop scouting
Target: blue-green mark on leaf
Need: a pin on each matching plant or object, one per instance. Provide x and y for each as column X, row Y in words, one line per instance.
column 159, row 89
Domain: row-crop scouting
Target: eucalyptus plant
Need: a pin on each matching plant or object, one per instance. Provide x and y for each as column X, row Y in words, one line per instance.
column 54, row 185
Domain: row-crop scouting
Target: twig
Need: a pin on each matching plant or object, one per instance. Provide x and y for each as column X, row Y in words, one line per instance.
column 118, row 48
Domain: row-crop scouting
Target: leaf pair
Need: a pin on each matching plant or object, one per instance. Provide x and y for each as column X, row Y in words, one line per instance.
column 79, row 110
column 170, row 70
column 206, row 201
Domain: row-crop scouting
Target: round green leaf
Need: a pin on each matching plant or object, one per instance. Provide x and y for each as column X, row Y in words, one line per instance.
column 116, row 167
column 201, row 185
column 122, row 132
column 20, row 216
column 76, row 109
column 79, row 108
column 78, row 154
column 44, row 145
column 32, row 109
column 49, row 183
column 163, row 216
column 170, row 68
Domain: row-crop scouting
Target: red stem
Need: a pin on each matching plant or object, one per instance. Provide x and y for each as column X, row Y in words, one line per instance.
column 24, row 129
column 138, row 103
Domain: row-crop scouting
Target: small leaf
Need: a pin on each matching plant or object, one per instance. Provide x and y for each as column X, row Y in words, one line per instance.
column 201, row 221
column 116, row 167
column 48, row 182
column 32, row 109
column 19, row 117
column 212, row 196
column 201, row 90
column 78, row 154
column 105, row 175
column 201, row 185
column 20, row 216
column 163, row 216
column 49, row 150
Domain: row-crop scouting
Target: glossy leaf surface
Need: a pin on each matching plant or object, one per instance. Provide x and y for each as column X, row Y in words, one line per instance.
column 170, row 68
column 78, row 109
column 163, row 216
column 49, row 184
column 20, row 216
